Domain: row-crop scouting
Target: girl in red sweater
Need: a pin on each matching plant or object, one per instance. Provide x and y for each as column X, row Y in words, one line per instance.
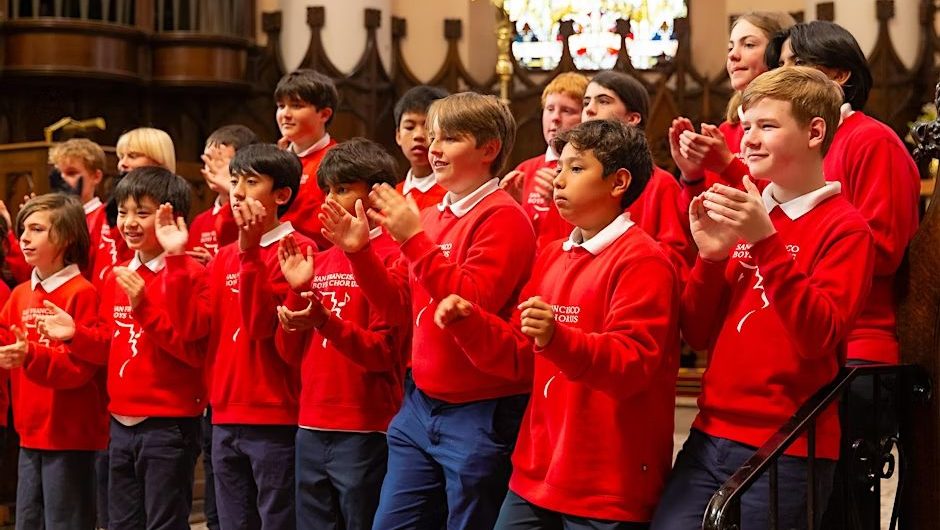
column 58, row 399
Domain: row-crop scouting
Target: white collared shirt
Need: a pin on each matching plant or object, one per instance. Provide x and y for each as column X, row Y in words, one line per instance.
column 802, row 205
column 551, row 155
column 54, row 281
column 217, row 206
column 321, row 143
column 422, row 184
column 92, row 205
column 845, row 111
column 602, row 239
column 155, row 265
column 276, row 234
column 463, row 206
column 375, row 232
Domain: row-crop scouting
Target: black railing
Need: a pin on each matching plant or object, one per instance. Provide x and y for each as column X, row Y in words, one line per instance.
column 115, row 11
column 867, row 459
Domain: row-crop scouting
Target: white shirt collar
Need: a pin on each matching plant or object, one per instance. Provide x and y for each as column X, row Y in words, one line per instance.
column 422, row 184
column 155, row 265
column 276, row 234
column 602, row 239
column 321, row 143
column 463, row 206
column 217, row 206
column 802, row 205
column 92, row 205
column 550, row 155
column 375, row 232
column 56, row 280
column 845, row 111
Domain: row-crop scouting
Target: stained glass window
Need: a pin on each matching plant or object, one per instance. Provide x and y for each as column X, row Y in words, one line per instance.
column 595, row 43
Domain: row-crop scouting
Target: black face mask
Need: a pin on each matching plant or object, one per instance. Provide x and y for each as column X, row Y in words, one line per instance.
column 58, row 184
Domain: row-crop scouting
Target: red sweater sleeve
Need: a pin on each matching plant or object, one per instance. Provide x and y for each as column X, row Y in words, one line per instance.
column 372, row 347
column 188, row 310
column 92, row 340
column 260, row 292
column 499, row 260
column 55, row 366
column 493, row 345
column 704, row 303
column 384, row 285
column 818, row 310
column 625, row 355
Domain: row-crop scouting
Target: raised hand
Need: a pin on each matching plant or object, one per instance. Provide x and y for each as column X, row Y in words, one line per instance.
column 348, row 233
column 714, row 239
column 451, row 309
column 5, row 214
column 132, row 284
column 741, row 211
column 13, row 355
column 512, row 183
column 58, row 325
column 544, row 183
column 312, row 316
column 251, row 217
column 296, row 266
column 707, row 149
column 397, row 213
column 691, row 170
column 538, row 320
column 200, row 254
column 171, row 231
column 215, row 169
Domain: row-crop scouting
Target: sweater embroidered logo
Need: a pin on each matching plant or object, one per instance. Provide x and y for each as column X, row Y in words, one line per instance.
column 133, row 337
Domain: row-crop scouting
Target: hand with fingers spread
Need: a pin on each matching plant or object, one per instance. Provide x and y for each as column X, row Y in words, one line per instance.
column 296, row 265
column 714, row 240
column 132, row 284
column 691, row 171
column 215, row 169
column 349, row 234
column 544, row 182
column 251, row 218
column 5, row 214
column 538, row 320
column 13, row 355
column 397, row 213
column 450, row 309
column 513, row 183
column 707, row 149
column 58, row 325
column 171, row 231
column 311, row 317
column 200, row 254
column 742, row 211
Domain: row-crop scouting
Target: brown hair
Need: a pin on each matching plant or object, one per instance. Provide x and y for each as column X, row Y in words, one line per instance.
column 811, row 95
column 90, row 153
column 571, row 84
column 770, row 23
column 483, row 118
column 68, row 227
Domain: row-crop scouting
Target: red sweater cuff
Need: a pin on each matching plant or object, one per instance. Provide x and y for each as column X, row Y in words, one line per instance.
column 564, row 351
column 735, row 171
column 176, row 262
column 251, row 256
column 418, row 246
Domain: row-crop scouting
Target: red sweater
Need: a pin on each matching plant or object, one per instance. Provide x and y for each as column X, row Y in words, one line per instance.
column 153, row 370
column 303, row 212
column 548, row 223
column 250, row 382
column 879, row 178
column 775, row 318
column 59, row 399
column 351, row 368
column 95, row 218
column 655, row 212
column 213, row 229
column 484, row 255
column 424, row 199
column 613, row 359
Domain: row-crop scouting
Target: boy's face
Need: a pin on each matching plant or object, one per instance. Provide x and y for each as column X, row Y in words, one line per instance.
column 411, row 135
column 602, row 103
column 583, row 196
column 300, row 122
column 137, row 223
column 560, row 113
column 78, row 177
column 346, row 194
column 458, row 163
column 260, row 188
column 36, row 241
column 775, row 145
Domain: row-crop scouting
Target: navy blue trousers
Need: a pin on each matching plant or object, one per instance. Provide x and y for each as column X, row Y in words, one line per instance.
column 209, row 507
column 448, row 463
column 520, row 514
column 339, row 477
column 254, row 476
column 706, row 462
column 55, row 490
column 152, row 467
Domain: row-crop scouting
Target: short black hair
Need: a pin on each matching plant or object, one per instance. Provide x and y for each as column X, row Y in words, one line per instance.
column 820, row 43
column 158, row 183
column 630, row 91
column 281, row 166
column 417, row 99
column 310, row 87
column 357, row 160
column 616, row 145
column 234, row 136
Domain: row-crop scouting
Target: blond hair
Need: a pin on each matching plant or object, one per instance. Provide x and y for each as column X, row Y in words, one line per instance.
column 811, row 95
column 90, row 153
column 68, row 228
column 769, row 23
column 152, row 143
column 480, row 117
column 571, row 84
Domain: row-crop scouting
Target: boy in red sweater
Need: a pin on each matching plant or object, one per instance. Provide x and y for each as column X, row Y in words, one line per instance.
column 306, row 101
column 351, row 356
column 457, row 426
column 531, row 182
column 58, row 398
column 411, row 134
column 606, row 348
column 780, row 278
column 254, row 392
